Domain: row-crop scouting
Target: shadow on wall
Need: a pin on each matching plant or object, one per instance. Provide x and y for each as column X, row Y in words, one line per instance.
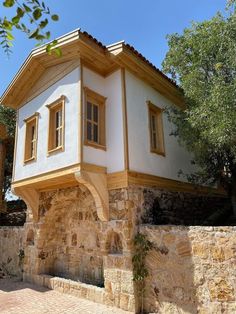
column 10, row 285
column 14, row 214
column 69, row 242
column 170, row 286
column 191, row 269
column 162, row 207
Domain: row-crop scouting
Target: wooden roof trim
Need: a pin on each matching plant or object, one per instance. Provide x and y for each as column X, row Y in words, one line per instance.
column 131, row 59
column 121, row 46
column 35, row 52
column 108, row 56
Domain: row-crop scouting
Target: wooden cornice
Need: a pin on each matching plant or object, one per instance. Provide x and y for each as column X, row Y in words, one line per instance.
column 104, row 60
column 142, row 69
column 74, row 46
column 65, row 177
column 124, row 179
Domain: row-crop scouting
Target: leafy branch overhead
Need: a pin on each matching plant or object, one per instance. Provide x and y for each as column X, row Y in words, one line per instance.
column 30, row 17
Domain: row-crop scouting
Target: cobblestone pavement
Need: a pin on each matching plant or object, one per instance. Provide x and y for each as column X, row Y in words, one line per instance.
column 24, row 298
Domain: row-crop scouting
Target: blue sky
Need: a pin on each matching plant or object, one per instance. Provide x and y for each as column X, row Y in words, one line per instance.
column 143, row 24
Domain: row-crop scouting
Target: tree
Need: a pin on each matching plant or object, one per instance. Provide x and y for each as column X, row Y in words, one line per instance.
column 29, row 17
column 8, row 118
column 202, row 60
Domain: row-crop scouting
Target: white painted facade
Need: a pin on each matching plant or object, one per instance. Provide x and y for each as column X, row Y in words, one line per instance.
column 109, row 87
column 69, row 87
column 140, row 157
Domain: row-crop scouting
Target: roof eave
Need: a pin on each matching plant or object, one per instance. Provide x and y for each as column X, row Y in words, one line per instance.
column 133, row 61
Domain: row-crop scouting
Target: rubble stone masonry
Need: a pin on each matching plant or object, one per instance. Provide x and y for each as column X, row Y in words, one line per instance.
column 11, row 244
column 195, row 274
column 69, row 249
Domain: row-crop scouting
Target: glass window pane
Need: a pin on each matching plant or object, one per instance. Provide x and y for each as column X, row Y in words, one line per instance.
column 33, row 132
column 89, row 131
column 58, row 118
column 153, row 122
column 32, row 149
column 95, row 133
column 95, row 113
column 89, row 111
column 58, row 137
column 154, row 140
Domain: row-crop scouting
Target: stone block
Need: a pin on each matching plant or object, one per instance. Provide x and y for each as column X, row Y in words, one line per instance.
column 99, row 295
column 184, row 248
column 200, row 250
column 230, row 252
column 47, row 281
column 169, row 238
column 127, row 283
column 91, row 294
column 221, row 290
column 124, row 301
column 66, row 287
column 131, row 305
column 120, row 205
column 129, row 204
column 84, row 291
column 108, row 299
column 217, row 254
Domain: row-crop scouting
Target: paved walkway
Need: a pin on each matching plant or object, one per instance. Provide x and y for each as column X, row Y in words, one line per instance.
column 24, row 298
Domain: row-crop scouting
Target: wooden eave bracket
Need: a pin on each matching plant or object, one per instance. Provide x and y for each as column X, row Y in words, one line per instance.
column 97, row 185
column 31, row 197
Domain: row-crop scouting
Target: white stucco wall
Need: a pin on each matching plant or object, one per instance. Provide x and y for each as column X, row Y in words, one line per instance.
column 109, row 87
column 140, row 157
column 68, row 86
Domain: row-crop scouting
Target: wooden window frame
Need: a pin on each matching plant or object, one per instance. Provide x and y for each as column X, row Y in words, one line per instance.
column 157, row 112
column 58, row 103
column 99, row 101
column 28, row 122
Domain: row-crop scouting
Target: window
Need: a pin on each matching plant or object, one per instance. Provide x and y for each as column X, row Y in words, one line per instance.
column 94, row 119
column 156, row 129
column 56, row 125
column 31, row 138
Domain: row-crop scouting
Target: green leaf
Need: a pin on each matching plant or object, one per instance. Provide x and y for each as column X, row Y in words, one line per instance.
column 40, row 37
column 58, row 51
column 15, row 20
column 8, row 3
column 33, row 34
column 55, row 17
column 27, row 9
column 7, row 24
column 47, row 35
column 20, row 12
column 37, row 13
column 10, row 36
column 48, row 48
column 43, row 23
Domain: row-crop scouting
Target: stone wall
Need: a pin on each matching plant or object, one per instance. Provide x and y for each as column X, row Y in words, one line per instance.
column 178, row 208
column 70, row 249
column 191, row 270
column 11, row 242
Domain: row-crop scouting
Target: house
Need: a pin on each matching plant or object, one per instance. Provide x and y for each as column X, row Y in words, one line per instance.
column 93, row 150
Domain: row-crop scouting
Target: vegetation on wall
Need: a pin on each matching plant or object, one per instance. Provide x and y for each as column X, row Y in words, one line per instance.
column 202, row 61
column 141, row 248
